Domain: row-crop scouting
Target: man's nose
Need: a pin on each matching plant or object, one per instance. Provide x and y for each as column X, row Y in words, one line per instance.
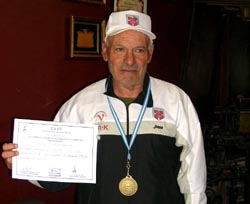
column 129, row 57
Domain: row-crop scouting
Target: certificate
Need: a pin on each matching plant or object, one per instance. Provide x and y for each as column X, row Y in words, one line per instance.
column 55, row 151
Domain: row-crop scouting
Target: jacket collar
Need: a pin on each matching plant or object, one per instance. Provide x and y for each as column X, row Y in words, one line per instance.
column 140, row 98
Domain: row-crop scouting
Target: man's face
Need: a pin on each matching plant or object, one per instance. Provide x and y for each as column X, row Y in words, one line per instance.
column 128, row 54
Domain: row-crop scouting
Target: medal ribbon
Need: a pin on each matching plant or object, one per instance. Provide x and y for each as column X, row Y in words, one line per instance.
column 137, row 125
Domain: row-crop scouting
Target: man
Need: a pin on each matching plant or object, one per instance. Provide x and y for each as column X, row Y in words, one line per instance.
column 150, row 147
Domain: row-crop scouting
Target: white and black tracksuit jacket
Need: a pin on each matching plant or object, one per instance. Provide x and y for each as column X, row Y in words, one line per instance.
column 168, row 159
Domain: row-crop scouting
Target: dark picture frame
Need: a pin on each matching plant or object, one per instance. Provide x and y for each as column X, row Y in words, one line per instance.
column 86, row 36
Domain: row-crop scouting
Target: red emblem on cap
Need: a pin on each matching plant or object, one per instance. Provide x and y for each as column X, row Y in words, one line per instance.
column 133, row 20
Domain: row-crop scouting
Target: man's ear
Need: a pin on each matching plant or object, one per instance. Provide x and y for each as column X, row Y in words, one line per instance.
column 104, row 52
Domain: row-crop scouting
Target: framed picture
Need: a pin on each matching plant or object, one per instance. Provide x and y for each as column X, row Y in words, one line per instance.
column 137, row 5
column 86, row 37
column 93, row 1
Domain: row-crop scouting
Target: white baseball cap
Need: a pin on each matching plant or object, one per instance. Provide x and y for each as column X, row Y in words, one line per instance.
column 129, row 20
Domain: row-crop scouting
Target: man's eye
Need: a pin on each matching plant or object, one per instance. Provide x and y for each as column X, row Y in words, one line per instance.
column 139, row 50
column 119, row 49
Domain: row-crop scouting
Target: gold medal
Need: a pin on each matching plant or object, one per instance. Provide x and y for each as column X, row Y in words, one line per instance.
column 128, row 186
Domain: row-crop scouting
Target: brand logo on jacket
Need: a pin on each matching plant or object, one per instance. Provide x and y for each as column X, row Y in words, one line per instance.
column 158, row 113
column 158, row 127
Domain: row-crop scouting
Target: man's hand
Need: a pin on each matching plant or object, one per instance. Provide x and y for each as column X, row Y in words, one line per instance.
column 9, row 152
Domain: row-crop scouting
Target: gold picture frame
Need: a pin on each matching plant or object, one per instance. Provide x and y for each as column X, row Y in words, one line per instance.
column 86, row 36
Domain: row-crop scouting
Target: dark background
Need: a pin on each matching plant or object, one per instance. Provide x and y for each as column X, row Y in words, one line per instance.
column 203, row 49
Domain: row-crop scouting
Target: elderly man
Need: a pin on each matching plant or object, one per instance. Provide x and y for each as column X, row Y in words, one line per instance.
column 150, row 147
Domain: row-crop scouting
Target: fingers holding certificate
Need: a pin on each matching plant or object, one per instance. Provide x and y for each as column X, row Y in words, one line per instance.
column 53, row 151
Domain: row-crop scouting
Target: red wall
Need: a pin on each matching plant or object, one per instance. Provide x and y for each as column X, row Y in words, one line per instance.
column 170, row 20
column 37, row 75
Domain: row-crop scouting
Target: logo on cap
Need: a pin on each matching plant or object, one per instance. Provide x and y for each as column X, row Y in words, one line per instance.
column 132, row 20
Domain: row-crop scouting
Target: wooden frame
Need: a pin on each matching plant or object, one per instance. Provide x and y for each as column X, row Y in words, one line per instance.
column 86, row 36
